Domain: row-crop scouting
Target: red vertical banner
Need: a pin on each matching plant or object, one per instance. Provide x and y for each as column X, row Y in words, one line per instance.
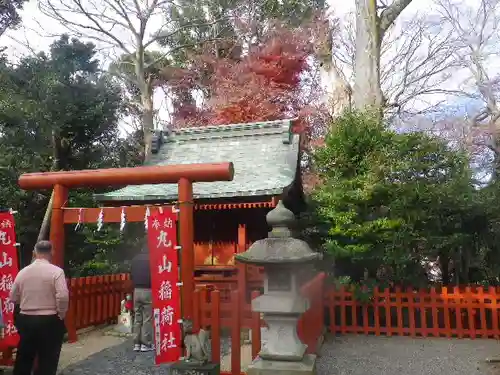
column 8, row 272
column 162, row 242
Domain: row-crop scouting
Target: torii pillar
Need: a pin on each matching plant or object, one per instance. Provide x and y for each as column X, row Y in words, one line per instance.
column 183, row 174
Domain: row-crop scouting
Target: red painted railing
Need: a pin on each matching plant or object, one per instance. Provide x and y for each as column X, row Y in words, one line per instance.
column 439, row 312
column 95, row 300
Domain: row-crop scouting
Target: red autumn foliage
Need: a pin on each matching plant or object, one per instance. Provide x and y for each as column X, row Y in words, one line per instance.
column 273, row 81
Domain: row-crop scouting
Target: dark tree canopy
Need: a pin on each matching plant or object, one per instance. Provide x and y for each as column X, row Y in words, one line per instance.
column 9, row 14
column 56, row 112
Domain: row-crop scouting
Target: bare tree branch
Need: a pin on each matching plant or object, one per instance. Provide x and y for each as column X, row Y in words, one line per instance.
column 477, row 32
column 415, row 62
column 390, row 13
column 130, row 28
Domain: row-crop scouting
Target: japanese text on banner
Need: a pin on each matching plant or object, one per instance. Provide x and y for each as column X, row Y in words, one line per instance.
column 8, row 273
column 162, row 241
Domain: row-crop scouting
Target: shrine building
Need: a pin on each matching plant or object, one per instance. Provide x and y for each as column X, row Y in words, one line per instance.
column 228, row 216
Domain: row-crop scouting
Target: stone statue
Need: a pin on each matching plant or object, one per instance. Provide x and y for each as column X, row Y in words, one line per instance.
column 197, row 344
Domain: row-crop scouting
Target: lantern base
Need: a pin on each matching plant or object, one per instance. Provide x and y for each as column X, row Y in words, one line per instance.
column 283, row 343
column 265, row 367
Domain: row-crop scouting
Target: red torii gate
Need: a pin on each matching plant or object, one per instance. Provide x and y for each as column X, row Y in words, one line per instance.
column 183, row 175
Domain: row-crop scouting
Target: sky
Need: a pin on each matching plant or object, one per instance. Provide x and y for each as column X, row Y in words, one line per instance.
column 39, row 31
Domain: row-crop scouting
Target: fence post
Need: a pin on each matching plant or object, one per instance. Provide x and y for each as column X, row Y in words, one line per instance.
column 446, row 310
column 399, row 310
column 93, row 300
column 105, row 298
column 72, row 311
column 100, row 300
column 376, row 311
column 411, row 312
column 196, row 310
column 470, row 312
column 85, row 289
column 215, row 324
column 494, row 311
column 235, row 333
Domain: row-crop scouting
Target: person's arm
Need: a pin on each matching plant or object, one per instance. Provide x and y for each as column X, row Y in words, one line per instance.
column 15, row 297
column 15, row 294
column 62, row 295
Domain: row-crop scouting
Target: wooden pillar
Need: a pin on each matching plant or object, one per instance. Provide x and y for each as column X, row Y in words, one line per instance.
column 57, row 236
column 242, row 268
column 186, row 241
column 242, row 238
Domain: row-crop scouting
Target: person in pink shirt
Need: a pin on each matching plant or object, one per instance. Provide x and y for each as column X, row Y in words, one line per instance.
column 42, row 293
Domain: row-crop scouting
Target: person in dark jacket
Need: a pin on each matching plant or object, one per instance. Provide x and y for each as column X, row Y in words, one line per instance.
column 143, row 311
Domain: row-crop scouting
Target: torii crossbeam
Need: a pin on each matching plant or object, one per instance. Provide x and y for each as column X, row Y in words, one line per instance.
column 183, row 174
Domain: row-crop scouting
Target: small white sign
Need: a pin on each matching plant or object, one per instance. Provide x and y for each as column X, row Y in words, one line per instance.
column 124, row 323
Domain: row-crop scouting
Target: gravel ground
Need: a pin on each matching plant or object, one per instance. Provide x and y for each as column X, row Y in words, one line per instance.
column 341, row 355
column 88, row 344
column 371, row 355
column 121, row 360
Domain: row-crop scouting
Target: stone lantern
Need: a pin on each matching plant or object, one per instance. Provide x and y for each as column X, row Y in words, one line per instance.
column 285, row 261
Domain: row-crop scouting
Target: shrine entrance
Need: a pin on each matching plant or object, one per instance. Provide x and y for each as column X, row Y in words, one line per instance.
column 184, row 175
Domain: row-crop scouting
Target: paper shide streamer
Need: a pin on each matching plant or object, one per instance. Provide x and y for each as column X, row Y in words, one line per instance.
column 123, row 220
column 79, row 223
column 146, row 216
column 100, row 220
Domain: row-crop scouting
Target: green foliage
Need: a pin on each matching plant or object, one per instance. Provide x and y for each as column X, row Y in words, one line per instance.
column 391, row 201
column 56, row 112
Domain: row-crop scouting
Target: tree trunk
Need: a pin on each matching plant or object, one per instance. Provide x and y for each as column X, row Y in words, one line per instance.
column 444, row 263
column 466, row 262
column 147, row 124
column 367, row 92
column 146, row 89
column 44, row 228
column 43, row 234
column 370, row 30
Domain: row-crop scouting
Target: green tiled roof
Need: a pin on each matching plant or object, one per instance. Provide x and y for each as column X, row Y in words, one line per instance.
column 264, row 154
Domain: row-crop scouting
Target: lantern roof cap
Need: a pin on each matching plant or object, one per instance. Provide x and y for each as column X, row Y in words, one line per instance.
column 279, row 247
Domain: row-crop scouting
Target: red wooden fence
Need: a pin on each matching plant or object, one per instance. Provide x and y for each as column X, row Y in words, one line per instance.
column 438, row 312
column 95, row 300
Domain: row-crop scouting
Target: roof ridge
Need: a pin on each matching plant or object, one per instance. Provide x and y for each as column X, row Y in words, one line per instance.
column 254, row 129
column 284, row 124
